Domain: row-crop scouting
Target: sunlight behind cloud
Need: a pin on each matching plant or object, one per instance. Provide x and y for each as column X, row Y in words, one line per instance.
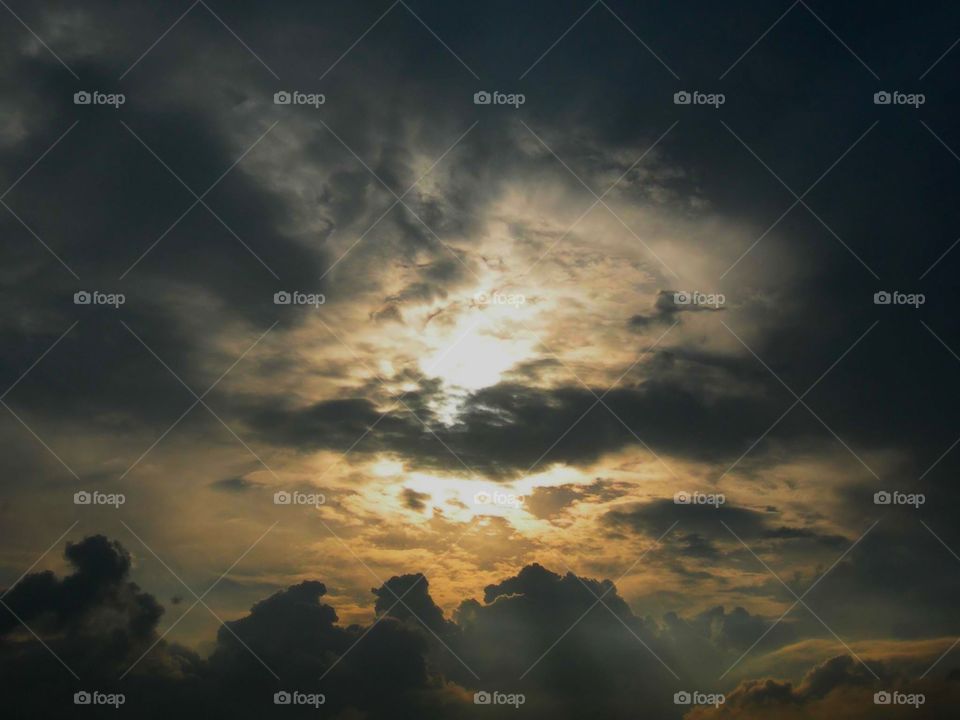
column 471, row 356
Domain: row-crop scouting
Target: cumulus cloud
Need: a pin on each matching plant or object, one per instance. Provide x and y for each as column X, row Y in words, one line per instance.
column 97, row 598
column 838, row 687
column 539, row 633
column 411, row 657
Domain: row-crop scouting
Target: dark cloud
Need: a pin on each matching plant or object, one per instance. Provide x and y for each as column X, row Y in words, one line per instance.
column 721, row 639
column 707, row 524
column 412, row 659
column 537, row 632
column 414, row 500
column 738, row 629
column 654, row 517
column 549, row 501
column 668, row 306
column 237, row 484
column 838, row 687
column 696, row 545
column 407, row 598
column 897, row 565
column 504, row 429
column 546, row 502
column 78, row 604
column 601, row 655
column 94, row 621
column 100, row 624
column 113, row 199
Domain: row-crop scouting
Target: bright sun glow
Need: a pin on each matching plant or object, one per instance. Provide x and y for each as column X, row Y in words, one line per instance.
column 472, row 355
column 462, row 499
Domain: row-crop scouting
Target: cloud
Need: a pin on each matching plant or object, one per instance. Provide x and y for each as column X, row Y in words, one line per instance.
column 535, row 632
column 547, row 502
column 504, row 429
column 498, row 210
column 411, row 659
column 656, row 516
column 516, row 632
column 237, row 484
column 414, row 500
column 838, row 687
column 96, row 598
column 705, row 525
column 407, row 598
column 668, row 306
column 94, row 621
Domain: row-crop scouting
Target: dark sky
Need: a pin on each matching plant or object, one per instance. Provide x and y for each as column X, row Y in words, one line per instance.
column 517, row 334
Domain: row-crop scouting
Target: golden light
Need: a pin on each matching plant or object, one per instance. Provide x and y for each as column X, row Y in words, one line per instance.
column 476, row 351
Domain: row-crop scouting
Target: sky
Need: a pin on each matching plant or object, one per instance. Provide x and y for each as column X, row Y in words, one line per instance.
column 464, row 360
